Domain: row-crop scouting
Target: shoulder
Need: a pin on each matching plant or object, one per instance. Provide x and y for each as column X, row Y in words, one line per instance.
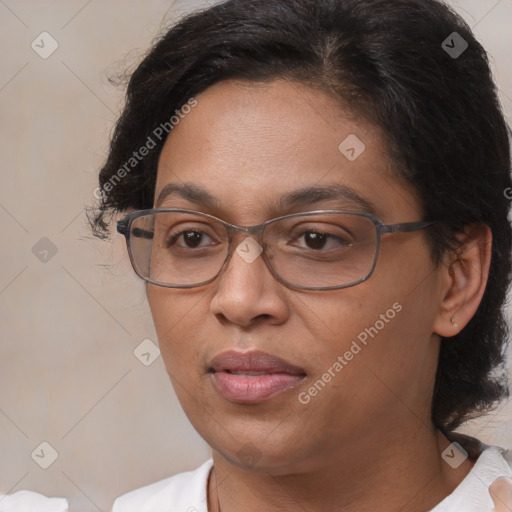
column 507, row 455
column 472, row 495
column 494, row 463
column 185, row 492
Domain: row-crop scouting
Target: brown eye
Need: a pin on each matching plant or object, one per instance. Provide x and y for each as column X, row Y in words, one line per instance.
column 190, row 239
column 315, row 240
column 318, row 240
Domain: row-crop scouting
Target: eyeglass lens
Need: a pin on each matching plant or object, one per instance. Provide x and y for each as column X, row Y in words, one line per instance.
column 315, row 250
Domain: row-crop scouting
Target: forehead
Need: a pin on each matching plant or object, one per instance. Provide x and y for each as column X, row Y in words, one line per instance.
column 248, row 144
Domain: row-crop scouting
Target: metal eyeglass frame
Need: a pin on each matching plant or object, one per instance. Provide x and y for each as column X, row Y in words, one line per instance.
column 124, row 228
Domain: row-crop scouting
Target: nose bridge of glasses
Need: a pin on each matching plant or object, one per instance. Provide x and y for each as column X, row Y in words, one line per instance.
column 243, row 231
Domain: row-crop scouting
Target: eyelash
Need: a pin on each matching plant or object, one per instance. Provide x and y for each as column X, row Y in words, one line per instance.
column 329, row 236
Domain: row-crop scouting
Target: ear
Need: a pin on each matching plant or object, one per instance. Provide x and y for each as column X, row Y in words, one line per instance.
column 465, row 272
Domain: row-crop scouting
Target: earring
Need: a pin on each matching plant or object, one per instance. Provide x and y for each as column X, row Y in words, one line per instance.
column 452, row 321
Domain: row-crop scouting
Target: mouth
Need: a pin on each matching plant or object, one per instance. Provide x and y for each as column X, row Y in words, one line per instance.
column 253, row 377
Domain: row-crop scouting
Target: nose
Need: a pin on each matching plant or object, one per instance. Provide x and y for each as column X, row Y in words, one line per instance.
column 247, row 292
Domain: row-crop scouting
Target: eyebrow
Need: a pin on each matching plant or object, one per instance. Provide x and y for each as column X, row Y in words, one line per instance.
column 334, row 191
column 187, row 191
column 289, row 201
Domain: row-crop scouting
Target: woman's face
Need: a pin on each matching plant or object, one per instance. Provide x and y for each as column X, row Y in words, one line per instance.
column 248, row 146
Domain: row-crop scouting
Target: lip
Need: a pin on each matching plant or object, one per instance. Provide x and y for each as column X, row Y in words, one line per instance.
column 253, row 377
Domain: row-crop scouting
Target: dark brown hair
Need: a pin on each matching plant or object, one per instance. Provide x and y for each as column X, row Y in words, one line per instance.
column 387, row 61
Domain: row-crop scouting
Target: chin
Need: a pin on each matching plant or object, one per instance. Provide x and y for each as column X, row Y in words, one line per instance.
column 256, row 449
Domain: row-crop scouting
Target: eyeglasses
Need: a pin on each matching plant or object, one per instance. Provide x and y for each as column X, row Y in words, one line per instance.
column 318, row 250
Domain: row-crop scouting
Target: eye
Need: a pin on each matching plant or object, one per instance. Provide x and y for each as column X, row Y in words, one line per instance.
column 190, row 239
column 318, row 240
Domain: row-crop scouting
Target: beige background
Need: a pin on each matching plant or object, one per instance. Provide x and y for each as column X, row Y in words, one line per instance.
column 69, row 326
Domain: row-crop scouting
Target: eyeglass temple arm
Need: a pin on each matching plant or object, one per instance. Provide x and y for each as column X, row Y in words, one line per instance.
column 122, row 226
column 123, row 229
column 405, row 227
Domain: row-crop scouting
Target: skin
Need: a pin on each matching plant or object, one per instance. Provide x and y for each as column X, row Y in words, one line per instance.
column 365, row 442
column 501, row 493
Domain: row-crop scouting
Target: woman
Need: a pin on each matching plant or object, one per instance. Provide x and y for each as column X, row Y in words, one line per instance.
column 325, row 244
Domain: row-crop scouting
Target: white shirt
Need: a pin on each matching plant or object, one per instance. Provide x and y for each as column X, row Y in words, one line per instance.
column 30, row 501
column 186, row 492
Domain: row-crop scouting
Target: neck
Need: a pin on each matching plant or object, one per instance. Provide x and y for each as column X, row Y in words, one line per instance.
column 387, row 475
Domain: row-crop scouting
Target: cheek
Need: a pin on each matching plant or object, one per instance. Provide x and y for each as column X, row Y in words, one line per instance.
column 177, row 316
column 375, row 356
column 181, row 322
column 382, row 327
